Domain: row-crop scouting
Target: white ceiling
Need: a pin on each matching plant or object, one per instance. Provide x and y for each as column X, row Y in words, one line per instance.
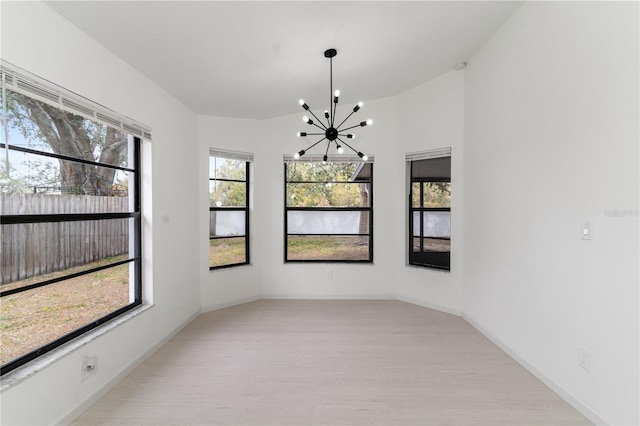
column 256, row 59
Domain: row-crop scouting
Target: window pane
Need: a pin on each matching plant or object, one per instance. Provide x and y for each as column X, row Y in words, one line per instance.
column 436, row 194
column 327, row 248
column 227, row 194
column 432, row 244
column 318, row 172
column 33, row 318
column 327, row 222
column 437, row 224
column 227, row 251
column 415, row 194
column 328, row 194
column 35, row 252
column 33, row 173
column 68, row 134
column 226, row 223
column 222, row 168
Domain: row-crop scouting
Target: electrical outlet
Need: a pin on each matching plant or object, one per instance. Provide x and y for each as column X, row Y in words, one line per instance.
column 584, row 358
column 88, row 366
column 329, row 274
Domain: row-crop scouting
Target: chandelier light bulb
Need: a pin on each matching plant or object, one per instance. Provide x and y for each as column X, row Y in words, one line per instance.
column 351, row 136
column 296, row 156
column 324, row 159
column 340, row 149
column 369, row 122
column 336, row 93
column 365, row 158
column 305, row 118
column 301, row 102
column 326, row 114
column 357, row 107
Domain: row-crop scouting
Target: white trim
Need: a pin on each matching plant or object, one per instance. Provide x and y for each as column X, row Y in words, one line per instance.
column 317, row 158
column 22, row 81
column 75, row 412
column 435, row 307
column 231, row 155
column 219, row 306
column 425, row 155
column 329, row 297
column 560, row 390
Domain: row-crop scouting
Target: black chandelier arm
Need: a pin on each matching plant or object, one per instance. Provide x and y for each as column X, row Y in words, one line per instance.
column 333, row 114
column 312, row 134
column 321, row 128
column 315, row 144
column 349, row 146
column 352, row 127
column 350, row 114
column 318, row 120
column 327, row 150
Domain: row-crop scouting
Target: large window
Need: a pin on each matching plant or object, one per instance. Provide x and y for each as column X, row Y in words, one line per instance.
column 430, row 211
column 70, row 246
column 228, row 208
column 328, row 211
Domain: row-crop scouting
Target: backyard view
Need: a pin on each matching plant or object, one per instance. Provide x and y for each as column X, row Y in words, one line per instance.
column 66, row 257
column 328, row 211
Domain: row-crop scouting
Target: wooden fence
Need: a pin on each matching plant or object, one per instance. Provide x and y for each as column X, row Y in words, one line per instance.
column 30, row 250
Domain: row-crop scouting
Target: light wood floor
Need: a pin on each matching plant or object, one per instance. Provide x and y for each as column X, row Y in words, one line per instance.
column 276, row 362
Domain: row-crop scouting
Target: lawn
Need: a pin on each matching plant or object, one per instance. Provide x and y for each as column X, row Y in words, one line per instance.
column 328, row 248
column 35, row 317
column 227, row 251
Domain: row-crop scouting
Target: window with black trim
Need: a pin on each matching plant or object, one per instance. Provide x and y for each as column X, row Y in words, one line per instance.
column 228, row 208
column 328, row 211
column 430, row 213
column 70, row 224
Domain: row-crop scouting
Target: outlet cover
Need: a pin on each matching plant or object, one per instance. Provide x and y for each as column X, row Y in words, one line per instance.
column 584, row 358
column 88, row 366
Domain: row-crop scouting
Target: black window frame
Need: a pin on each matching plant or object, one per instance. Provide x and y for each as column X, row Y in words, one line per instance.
column 427, row 259
column 368, row 209
column 245, row 209
column 135, row 214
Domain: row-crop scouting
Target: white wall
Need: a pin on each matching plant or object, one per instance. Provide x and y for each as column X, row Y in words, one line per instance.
column 55, row 50
column 431, row 116
column 270, row 276
column 228, row 286
column 551, row 139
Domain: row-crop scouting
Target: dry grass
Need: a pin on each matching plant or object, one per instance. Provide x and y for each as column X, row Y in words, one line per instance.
column 328, row 248
column 227, row 251
column 36, row 317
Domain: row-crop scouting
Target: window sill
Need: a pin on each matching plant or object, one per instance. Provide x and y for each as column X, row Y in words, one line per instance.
column 19, row 374
column 428, row 268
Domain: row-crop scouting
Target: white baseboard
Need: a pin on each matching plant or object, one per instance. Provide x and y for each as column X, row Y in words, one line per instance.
column 563, row 393
column 228, row 304
column 92, row 399
column 430, row 305
column 329, row 297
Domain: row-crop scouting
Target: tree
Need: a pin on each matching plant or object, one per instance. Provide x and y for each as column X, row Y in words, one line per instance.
column 71, row 135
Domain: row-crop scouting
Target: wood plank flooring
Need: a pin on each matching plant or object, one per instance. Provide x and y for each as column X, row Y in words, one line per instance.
column 303, row 362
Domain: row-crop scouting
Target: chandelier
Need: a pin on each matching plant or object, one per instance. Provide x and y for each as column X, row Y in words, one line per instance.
column 332, row 133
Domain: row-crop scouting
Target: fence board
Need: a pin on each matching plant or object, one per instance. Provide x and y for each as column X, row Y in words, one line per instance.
column 30, row 250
